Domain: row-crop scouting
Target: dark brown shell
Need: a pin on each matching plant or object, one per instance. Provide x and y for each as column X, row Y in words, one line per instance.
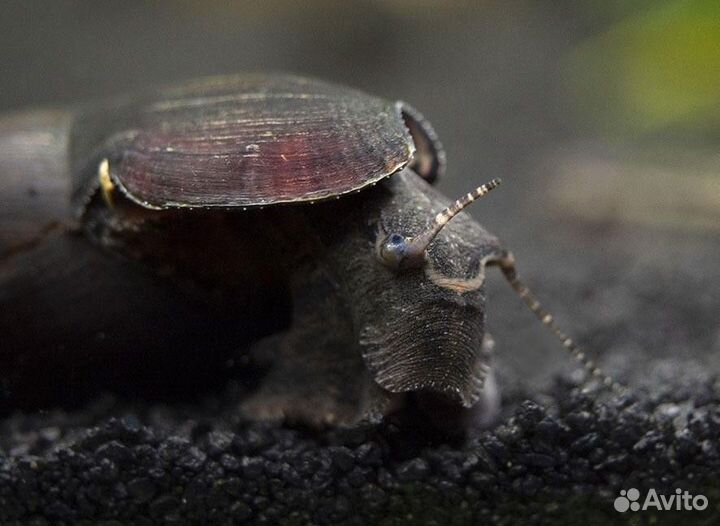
column 249, row 140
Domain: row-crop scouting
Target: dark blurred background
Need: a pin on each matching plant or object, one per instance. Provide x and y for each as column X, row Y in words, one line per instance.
column 601, row 116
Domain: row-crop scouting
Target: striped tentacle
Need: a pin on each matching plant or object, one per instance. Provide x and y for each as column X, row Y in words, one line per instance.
column 507, row 266
column 419, row 243
column 442, row 218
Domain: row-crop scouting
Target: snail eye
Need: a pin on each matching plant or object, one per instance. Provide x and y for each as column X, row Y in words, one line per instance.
column 392, row 250
column 396, row 239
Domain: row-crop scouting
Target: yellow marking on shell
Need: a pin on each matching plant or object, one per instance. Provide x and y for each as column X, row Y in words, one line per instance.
column 107, row 187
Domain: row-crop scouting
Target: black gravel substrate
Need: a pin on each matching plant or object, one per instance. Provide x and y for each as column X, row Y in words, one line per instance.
column 560, row 463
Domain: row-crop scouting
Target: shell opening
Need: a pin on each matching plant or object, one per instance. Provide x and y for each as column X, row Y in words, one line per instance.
column 429, row 159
